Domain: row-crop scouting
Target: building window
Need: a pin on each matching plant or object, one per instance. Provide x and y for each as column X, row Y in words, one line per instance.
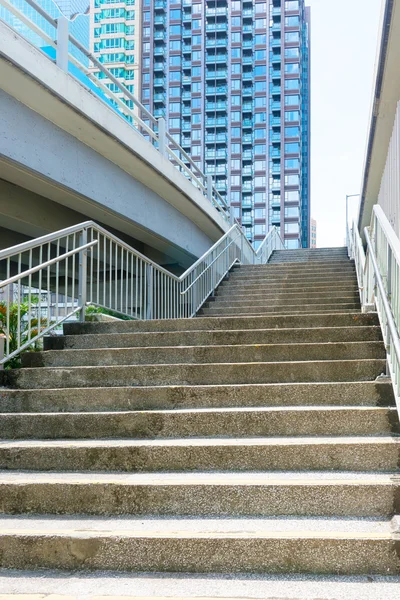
column 292, row 37
column 292, row 5
column 293, row 100
column 175, row 107
column 175, row 61
column 292, row 148
column 260, row 39
column 291, row 228
column 260, row 55
column 292, row 68
column 292, row 180
column 174, row 123
column 292, row 115
column 260, row 117
column 292, row 132
column 292, row 196
column 260, row 133
column 260, row 101
column 292, row 212
column 260, row 86
column 259, row 213
column 174, row 92
column 175, row 30
column 292, row 163
column 175, row 15
column 292, row 52
column 292, row 84
column 292, row 21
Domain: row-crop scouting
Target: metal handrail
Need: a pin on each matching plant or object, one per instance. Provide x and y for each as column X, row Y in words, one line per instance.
column 378, row 275
column 85, row 264
column 162, row 138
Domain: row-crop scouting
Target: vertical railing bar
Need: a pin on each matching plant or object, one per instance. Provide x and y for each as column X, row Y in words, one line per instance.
column 30, row 296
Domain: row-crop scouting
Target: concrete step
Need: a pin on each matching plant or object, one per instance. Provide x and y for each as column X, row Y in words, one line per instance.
column 271, row 270
column 226, row 323
column 196, row 374
column 302, row 295
column 330, row 278
column 362, row 453
column 85, row 585
column 285, row 286
column 223, row 422
column 205, row 354
column 214, row 338
column 336, row 262
column 200, row 545
column 292, row 300
column 319, row 494
column 289, row 309
column 365, row 393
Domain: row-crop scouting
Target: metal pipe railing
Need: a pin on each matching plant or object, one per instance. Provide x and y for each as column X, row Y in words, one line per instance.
column 378, row 274
column 61, row 273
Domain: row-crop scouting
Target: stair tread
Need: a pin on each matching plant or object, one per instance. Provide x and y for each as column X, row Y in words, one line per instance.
column 213, row 442
column 211, row 411
column 254, row 478
column 166, row 527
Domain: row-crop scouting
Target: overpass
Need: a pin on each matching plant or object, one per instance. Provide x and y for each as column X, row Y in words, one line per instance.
column 67, row 155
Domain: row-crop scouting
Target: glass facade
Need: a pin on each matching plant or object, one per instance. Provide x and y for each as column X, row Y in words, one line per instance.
column 115, row 40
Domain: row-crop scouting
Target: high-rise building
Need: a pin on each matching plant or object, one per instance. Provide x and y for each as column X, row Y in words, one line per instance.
column 75, row 10
column 313, row 234
column 115, row 40
column 231, row 79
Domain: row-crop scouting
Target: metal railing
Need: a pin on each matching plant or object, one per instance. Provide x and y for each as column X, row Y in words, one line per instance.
column 378, row 273
column 53, row 278
column 153, row 129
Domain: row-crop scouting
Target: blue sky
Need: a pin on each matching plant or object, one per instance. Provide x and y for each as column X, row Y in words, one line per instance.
column 343, row 47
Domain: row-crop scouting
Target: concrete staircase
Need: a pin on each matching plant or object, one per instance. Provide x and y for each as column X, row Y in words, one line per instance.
column 253, row 439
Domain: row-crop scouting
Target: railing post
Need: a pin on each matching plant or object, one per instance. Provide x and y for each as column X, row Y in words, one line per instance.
column 82, row 278
column 2, row 345
column 62, row 43
column 162, row 137
column 210, row 188
column 149, row 292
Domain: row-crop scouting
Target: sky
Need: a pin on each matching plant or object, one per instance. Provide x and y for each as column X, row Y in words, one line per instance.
column 344, row 36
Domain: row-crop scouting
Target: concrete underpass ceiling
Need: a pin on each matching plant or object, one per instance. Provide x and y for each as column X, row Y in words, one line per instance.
column 26, row 217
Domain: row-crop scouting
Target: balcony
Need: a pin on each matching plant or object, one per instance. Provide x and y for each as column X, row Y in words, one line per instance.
column 186, row 126
column 247, row 155
column 276, row 58
column 247, row 28
column 215, row 154
column 247, row 137
column 186, row 110
column 247, row 44
column 247, row 91
column 159, row 5
column 248, row 75
column 160, row 20
column 219, row 137
column 159, row 81
column 216, row 42
column 221, row 10
column 186, row 48
column 159, row 51
column 276, row 106
column 217, row 58
column 247, row 12
column 219, row 74
column 219, row 122
column 159, row 35
column 247, row 122
column 216, row 106
column 186, row 95
column 159, row 97
column 159, row 66
column 276, row 43
column 276, row 121
column 247, row 170
column 216, row 27
column 217, row 90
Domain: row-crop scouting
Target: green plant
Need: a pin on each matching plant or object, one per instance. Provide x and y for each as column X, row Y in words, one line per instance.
column 20, row 328
column 99, row 310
